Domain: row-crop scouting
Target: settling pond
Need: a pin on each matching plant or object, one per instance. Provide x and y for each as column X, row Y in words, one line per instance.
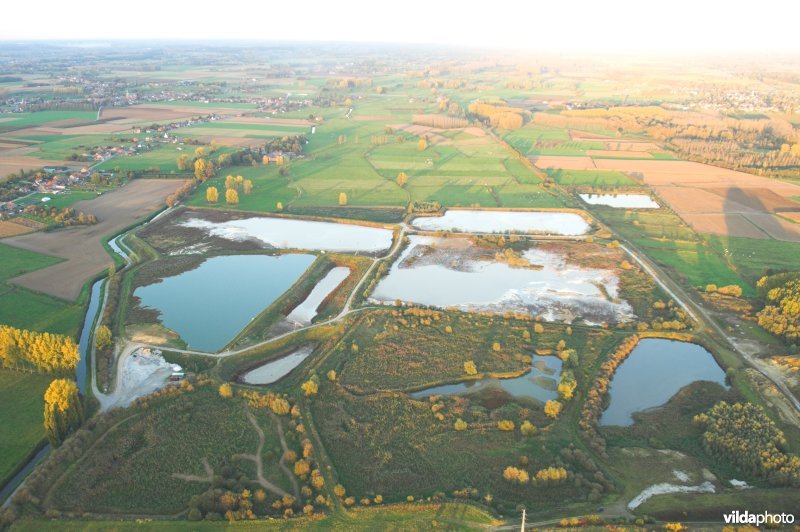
column 539, row 383
column 287, row 233
column 656, row 370
column 621, row 201
column 277, row 369
column 538, row 222
column 209, row 305
column 461, row 277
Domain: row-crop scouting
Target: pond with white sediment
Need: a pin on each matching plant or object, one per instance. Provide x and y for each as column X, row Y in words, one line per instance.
column 621, row 201
column 288, row 233
column 540, row 383
column 277, row 369
column 305, row 311
column 537, row 222
column 449, row 272
column 208, row 305
column 655, row 371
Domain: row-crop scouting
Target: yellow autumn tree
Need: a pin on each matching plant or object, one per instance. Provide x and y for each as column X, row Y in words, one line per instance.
column 63, row 411
column 25, row 350
column 247, row 186
column 342, row 199
column 200, row 169
column 225, row 391
column 422, row 145
column 470, row 368
column 552, row 408
column 212, row 195
column 402, row 179
column 232, row 196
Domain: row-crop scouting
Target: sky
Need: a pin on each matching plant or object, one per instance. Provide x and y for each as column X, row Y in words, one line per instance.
column 593, row 25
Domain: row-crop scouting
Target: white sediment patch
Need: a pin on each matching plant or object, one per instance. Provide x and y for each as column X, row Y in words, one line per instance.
column 661, row 489
column 277, row 369
column 141, row 372
column 550, row 288
column 681, row 475
column 286, row 233
column 621, row 201
column 538, row 222
column 305, row 311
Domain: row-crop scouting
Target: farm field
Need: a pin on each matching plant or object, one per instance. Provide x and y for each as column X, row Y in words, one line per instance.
column 21, row 429
column 80, row 247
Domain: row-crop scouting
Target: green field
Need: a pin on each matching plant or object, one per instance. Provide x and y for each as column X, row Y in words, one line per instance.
column 15, row 261
column 594, row 178
column 163, row 157
column 21, row 426
column 20, row 307
column 43, row 117
column 59, row 201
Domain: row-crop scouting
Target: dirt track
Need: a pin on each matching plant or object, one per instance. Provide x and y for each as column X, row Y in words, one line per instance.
column 81, row 245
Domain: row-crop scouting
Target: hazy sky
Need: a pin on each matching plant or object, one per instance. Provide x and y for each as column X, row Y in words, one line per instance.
column 643, row 25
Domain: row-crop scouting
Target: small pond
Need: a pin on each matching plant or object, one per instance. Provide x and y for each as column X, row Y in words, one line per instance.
column 288, row 233
column 656, row 370
column 539, row 222
column 209, row 305
column 277, row 369
column 621, row 201
column 539, row 383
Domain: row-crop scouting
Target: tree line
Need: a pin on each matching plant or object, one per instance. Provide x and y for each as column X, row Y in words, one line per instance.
column 42, row 352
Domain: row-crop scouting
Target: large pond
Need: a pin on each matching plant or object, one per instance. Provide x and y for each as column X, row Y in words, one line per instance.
column 305, row 311
column 540, row 383
column 209, row 305
column 550, row 288
column 290, row 233
column 655, row 371
column 277, row 369
column 539, row 222
column 621, row 201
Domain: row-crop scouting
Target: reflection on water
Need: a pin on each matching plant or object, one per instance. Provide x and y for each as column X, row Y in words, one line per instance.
column 539, row 383
column 207, row 306
column 540, row 222
column 654, row 371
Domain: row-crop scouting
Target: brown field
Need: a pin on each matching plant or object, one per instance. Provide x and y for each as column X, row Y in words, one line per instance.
column 81, row 245
column 432, row 133
column 8, row 228
column 619, row 153
column 13, row 163
column 711, row 199
column 724, row 224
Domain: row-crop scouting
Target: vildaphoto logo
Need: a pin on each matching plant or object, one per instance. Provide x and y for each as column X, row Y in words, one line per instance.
column 764, row 518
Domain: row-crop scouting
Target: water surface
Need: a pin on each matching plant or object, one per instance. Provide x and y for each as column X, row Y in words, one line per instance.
column 209, row 305
column 289, row 233
column 305, row 311
column 446, row 273
column 539, row 222
column 277, row 369
column 539, row 383
column 621, row 201
column 656, row 370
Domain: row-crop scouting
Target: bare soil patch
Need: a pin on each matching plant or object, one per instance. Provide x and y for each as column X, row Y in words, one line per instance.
column 8, row 228
column 724, row 224
column 13, row 163
column 269, row 121
column 81, row 245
